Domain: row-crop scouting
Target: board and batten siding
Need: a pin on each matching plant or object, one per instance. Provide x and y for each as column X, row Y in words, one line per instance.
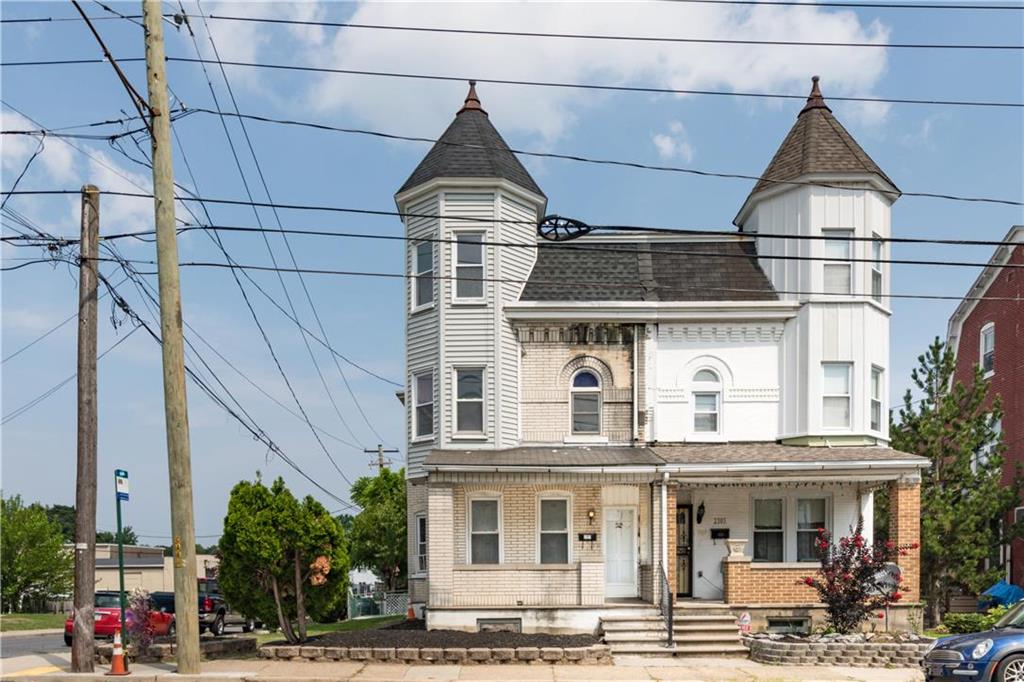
column 422, row 338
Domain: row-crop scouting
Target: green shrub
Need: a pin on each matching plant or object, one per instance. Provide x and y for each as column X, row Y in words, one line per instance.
column 962, row 623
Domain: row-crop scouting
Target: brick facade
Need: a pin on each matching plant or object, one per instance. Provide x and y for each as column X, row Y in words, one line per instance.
column 415, row 504
column 551, row 355
column 673, row 559
column 905, row 529
column 747, row 582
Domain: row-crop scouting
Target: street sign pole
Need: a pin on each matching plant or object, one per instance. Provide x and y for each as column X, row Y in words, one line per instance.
column 121, row 491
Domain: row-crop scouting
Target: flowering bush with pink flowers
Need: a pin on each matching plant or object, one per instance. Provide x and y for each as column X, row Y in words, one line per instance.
column 854, row 581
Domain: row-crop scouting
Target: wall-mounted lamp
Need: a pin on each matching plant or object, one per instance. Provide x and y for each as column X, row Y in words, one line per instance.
column 700, row 512
column 590, row 516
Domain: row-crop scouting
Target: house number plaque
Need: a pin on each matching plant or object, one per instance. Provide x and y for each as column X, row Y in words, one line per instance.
column 588, row 537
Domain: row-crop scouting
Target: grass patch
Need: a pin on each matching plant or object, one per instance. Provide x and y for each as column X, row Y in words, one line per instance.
column 935, row 634
column 31, row 621
column 314, row 629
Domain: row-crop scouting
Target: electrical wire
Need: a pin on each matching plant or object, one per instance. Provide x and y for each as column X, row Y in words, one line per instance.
column 28, row 164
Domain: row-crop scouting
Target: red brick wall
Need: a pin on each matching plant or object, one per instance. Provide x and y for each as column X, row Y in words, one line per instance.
column 905, row 529
column 748, row 583
column 1008, row 380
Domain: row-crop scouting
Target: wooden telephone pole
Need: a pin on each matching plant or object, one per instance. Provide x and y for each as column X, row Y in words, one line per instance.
column 381, row 462
column 186, row 599
column 83, row 645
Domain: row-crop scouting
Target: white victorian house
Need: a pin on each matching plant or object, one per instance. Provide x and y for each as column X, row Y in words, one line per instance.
column 597, row 424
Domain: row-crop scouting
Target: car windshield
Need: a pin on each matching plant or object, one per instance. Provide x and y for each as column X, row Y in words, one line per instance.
column 1014, row 618
column 108, row 601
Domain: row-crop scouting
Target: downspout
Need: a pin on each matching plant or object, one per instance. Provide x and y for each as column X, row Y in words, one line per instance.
column 636, row 385
column 664, row 521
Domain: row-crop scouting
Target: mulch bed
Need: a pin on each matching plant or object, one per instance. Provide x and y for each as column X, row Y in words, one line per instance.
column 414, row 635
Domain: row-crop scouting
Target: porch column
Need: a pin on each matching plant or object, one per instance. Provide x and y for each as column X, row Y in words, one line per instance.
column 441, row 544
column 905, row 529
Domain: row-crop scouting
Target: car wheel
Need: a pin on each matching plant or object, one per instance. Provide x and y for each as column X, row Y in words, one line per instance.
column 218, row 627
column 1011, row 669
column 249, row 625
column 67, row 639
column 172, row 629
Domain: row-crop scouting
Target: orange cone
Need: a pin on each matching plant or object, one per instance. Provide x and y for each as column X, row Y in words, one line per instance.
column 410, row 613
column 117, row 664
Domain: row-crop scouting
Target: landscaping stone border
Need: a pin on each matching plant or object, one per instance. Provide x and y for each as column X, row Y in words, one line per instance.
column 828, row 653
column 597, row 654
column 209, row 648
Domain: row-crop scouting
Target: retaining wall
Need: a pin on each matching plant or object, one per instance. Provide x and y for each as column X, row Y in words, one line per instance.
column 828, row 653
column 598, row 654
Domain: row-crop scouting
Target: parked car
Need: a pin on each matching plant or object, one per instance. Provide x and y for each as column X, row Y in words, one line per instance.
column 107, row 616
column 995, row 655
column 214, row 612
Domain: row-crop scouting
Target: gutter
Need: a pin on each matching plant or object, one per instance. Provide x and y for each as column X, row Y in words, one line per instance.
column 698, row 469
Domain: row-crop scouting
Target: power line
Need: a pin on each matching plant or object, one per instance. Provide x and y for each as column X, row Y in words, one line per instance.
column 864, row 5
column 617, row 38
column 548, row 84
column 28, row 164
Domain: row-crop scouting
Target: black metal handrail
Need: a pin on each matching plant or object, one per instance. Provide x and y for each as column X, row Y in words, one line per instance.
column 665, row 605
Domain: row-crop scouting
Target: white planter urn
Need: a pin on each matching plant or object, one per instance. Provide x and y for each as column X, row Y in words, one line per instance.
column 736, row 547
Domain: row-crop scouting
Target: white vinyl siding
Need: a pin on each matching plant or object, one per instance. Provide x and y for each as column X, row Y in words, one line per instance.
column 835, row 413
column 485, row 531
column 838, row 276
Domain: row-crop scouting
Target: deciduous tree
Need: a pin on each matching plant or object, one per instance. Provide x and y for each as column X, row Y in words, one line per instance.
column 378, row 539
column 33, row 560
column 965, row 503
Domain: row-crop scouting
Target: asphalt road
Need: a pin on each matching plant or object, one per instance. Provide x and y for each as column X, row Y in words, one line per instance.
column 25, row 645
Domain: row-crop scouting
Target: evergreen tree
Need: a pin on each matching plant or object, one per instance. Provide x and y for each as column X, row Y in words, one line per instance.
column 964, row 503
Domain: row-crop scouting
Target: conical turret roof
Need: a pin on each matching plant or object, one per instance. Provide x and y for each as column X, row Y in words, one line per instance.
column 471, row 147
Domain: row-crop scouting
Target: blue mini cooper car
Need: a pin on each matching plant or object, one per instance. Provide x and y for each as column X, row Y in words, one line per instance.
column 996, row 655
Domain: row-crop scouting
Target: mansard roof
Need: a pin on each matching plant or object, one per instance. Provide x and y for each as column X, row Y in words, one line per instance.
column 471, row 147
column 817, row 143
column 648, row 270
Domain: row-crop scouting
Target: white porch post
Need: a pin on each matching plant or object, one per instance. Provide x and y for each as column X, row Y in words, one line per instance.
column 867, row 513
column 664, row 522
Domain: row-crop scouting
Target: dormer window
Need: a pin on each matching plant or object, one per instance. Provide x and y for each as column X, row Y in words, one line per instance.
column 988, row 349
column 707, row 399
column 838, row 269
column 586, row 403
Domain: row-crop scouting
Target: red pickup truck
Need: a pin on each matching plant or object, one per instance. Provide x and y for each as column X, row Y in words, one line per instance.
column 107, row 617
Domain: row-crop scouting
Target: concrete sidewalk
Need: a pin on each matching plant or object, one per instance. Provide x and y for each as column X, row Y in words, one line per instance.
column 625, row 670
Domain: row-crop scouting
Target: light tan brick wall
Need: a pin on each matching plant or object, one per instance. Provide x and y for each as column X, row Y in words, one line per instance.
column 747, row 582
column 550, row 355
column 441, row 547
column 673, row 559
column 905, row 529
column 415, row 503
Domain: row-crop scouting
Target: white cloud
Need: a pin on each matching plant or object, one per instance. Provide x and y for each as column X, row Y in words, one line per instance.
column 675, row 143
column 56, row 158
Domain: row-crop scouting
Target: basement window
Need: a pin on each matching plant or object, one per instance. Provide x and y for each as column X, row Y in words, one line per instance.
column 789, row 626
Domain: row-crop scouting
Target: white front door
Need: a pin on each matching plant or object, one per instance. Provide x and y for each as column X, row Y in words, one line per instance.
column 620, row 552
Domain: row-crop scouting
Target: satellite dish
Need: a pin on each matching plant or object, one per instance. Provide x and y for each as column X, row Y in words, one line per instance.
column 556, row 228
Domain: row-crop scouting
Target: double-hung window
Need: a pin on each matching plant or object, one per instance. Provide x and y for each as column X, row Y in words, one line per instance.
column 554, row 530
column 469, row 400
column 988, row 348
column 421, row 543
column 707, row 397
column 469, row 266
column 768, row 530
column 838, row 269
column 876, row 398
column 484, row 531
column 423, row 283
column 586, row 403
column 876, row 268
column 423, row 405
column 835, row 413
column 810, row 519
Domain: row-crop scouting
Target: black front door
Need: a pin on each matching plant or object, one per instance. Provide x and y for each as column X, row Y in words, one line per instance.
column 684, row 550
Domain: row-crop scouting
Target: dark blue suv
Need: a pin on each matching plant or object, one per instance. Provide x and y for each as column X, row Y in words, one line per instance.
column 996, row 655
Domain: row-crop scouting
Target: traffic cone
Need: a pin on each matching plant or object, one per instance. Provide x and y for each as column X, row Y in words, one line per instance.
column 410, row 613
column 117, row 664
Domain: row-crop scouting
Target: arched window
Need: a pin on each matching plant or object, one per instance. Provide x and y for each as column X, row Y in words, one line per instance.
column 707, row 402
column 586, row 403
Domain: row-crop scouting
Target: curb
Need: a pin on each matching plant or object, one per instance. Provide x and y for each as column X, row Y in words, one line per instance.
column 27, row 633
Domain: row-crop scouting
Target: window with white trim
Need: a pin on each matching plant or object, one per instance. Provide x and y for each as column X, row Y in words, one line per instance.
column 469, row 400
column 876, row 267
column 1018, row 515
column 421, row 543
column 838, row 275
column 554, row 530
column 835, row 412
column 469, row 266
column 423, row 283
column 981, row 455
column 585, row 395
column 707, row 399
column 876, row 398
column 484, row 531
column 988, row 348
column 810, row 519
column 769, row 536
column 423, row 404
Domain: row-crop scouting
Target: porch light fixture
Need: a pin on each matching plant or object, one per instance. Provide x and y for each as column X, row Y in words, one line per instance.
column 700, row 512
column 590, row 516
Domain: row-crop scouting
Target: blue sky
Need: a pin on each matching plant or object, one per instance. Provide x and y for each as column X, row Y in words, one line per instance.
column 957, row 150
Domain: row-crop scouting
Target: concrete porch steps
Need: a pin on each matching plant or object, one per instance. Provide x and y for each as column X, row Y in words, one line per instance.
column 698, row 630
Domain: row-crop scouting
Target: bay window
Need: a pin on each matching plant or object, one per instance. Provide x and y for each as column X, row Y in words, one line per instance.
column 876, row 268
column 876, row 399
column 836, row 395
column 423, row 404
column 469, row 400
column 423, row 282
column 838, row 275
column 469, row 266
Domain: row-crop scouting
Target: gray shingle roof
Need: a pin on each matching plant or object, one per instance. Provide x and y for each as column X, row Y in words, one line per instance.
column 774, row 453
column 648, row 271
column 545, row 456
column 471, row 147
column 817, row 143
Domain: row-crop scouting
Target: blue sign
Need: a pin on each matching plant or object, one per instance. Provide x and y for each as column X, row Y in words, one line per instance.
column 121, row 484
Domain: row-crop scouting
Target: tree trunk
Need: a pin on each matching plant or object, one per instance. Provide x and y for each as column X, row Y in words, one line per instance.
column 300, row 601
column 284, row 623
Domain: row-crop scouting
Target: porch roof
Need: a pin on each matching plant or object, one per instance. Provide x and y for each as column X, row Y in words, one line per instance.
column 763, row 457
column 546, row 457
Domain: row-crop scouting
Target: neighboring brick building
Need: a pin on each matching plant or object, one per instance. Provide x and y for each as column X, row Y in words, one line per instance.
column 991, row 333
column 600, row 427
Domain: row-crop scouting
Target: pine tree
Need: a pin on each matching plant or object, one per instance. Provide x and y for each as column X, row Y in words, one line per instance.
column 964, row 502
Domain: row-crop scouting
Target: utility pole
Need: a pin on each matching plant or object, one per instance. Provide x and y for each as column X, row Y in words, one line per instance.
column 83, row 645
column 381, row 462
column 179, row 465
